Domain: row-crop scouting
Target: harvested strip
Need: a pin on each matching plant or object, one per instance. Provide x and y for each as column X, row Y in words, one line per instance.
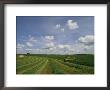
column 25, row 68
column 56, row 69
column 42, row 67
column 26, row 64
column 27, row 60
column 34, row 69
column 47, row 69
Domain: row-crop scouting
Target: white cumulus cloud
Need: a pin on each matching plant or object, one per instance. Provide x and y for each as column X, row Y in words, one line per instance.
column 51, row 44
column 58, row 26
column 61, row 46
column 87, row 40
column 29, row 44
column 19, row 46
column 62, row 29
column 72, row 24
column 49, row 38
column 28, row 49
column 32, row 39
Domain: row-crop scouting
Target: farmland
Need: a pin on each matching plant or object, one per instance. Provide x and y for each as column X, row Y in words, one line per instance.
column 54, row 64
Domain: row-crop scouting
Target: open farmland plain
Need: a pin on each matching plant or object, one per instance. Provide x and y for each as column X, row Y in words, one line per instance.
column 54, row 64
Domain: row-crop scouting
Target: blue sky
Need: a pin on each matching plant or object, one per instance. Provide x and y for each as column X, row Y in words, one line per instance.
column 55, row 34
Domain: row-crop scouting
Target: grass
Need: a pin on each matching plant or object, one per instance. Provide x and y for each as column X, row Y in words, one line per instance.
column 55, row 64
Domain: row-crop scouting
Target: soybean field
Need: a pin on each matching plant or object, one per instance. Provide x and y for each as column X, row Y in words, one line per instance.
column 54, row 64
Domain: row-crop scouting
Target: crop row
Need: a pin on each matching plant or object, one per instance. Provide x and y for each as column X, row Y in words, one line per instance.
column 33, row 64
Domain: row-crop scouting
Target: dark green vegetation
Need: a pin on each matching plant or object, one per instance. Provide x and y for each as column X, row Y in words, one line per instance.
column 54, row 64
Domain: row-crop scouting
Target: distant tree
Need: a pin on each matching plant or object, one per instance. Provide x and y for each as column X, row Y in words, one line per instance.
column 28, row 53
column 64, row 60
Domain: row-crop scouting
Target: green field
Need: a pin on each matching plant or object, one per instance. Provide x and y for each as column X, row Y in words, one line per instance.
column 54, row 64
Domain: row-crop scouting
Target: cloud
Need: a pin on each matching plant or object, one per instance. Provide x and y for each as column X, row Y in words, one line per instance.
column 37, row 49
column 58, row 26
column 20, row 46
column 29, row 44
column 88, row 47
column 28, row 49
column 81, row 48
column 58, row 48
column 72, row 24
column 32, row 39
column 61, row 46
column 65, row 49
column 62, row 29
column 49, row 38
column 51, row 44
column 87, row 40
